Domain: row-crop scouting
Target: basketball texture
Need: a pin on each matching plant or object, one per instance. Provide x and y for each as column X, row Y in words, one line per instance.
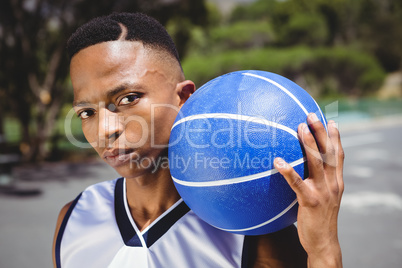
column 223, row 145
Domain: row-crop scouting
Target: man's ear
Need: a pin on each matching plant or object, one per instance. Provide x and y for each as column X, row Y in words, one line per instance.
column 185, row 89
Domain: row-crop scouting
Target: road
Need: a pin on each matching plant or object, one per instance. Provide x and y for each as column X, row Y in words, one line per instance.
column 369, row 220
column 371, row 212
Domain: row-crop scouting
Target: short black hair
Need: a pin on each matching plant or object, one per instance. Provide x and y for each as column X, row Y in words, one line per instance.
column 138, row 26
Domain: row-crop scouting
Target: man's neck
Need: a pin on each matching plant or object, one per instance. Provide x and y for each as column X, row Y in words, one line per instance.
column 149, row 196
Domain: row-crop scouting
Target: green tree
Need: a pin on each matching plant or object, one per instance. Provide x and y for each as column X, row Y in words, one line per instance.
column 34, row 66
column 380, row 31
column 258, row 10
column 374, row 26
column 303, row 28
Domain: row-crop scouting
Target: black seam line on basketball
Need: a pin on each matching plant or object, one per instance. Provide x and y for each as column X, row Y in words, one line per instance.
column 62, row 229
column 253, row 119
column 235, row 180
column 164, row 224
column 126, row 229
column 265, row 222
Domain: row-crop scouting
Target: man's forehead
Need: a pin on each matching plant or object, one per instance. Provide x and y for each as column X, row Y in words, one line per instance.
column 113, row 46
column 102, row 60
column 108, row 51
column 121, row 52
column 105, row 66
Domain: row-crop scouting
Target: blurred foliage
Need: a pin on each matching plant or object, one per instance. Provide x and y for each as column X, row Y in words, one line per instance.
column 242, row 35
column 307, row 29
column 321, row 71
column 34, row 66
column 331, row 48
column 375, row 26
column 259, row 10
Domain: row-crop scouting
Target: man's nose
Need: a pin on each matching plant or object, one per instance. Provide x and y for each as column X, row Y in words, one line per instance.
column 110, row 126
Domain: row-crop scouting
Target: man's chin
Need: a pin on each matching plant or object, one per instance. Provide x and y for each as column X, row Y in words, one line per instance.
column 134, row 167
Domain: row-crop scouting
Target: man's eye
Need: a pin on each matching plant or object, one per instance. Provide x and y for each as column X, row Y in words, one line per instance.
column 85, row 114
column 128, row 99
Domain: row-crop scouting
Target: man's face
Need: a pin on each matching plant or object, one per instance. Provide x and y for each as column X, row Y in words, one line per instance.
column 127, row 99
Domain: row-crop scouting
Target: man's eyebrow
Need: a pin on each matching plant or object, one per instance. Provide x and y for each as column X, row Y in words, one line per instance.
column 121, row 88
column 110, row 93
column 80, row 103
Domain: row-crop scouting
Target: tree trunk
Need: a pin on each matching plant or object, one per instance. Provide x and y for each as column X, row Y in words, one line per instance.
column 48, row 102
column 2, row 133
column 45, row 128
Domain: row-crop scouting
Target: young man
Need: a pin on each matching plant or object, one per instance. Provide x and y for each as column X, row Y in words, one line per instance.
column 121, row 66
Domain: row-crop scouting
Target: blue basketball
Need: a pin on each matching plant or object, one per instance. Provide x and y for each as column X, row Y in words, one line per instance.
column 223, row 144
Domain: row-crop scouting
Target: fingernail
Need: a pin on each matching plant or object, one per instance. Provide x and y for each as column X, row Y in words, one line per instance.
column 280, row 162
column 313, row 117
column 333, row 124
column 305, row 128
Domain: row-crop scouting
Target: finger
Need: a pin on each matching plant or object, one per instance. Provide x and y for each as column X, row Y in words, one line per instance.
column 318, row 131
column 293, row 179
column 323, row 142
column 314, row 159
column 335, row 137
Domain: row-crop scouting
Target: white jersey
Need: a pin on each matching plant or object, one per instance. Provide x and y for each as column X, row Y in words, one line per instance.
column 98, row 231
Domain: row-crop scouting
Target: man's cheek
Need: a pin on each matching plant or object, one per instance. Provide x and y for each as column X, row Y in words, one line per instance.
column 137, row 131
column 92, row 136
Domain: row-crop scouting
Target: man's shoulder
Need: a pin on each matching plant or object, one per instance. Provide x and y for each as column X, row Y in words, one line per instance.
column 104, row 190
column 104, row 185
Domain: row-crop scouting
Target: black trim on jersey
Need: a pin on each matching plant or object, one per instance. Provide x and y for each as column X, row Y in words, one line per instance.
column 246, row 250
column 127, row 231
column 61, row 231
column 164, row 224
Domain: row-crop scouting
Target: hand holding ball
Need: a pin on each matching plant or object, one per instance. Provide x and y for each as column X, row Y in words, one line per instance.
column 223, row 144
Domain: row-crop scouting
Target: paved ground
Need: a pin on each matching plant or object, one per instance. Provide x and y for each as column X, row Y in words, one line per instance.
column 369, row 222
column 27, row 222
column 371, row 214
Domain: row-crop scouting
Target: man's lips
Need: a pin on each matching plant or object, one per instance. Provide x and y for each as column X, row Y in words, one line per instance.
column 116, row 152
column 117, row 157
